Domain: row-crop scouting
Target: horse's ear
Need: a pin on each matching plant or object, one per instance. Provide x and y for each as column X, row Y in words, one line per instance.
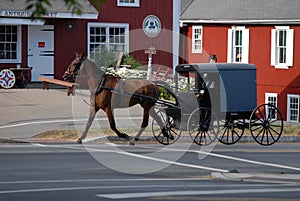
column 83, row 55
column 76, row 54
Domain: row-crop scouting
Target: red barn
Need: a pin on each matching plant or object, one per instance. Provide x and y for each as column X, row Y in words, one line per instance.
column 266, row 34
column 49, row 44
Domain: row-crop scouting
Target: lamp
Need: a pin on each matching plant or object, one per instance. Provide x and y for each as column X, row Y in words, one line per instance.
column 70, row 25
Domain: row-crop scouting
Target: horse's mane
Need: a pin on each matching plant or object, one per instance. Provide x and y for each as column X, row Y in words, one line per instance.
column 93, row 73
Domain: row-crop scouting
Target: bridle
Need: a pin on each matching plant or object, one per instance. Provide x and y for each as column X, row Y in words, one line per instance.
column 71, row 73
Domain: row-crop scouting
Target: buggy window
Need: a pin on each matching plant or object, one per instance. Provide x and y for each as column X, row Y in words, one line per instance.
column 187, row 81
column 210, row 80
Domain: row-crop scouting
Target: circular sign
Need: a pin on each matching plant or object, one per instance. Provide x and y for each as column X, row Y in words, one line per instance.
column 151, row 26
column 7, row 79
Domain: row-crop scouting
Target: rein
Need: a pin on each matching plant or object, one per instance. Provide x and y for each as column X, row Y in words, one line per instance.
column 122, row 92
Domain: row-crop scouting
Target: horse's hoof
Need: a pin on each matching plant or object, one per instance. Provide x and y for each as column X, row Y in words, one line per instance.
column 124, row 136
column 127, row 137
column 136, row 139
column 131, row 143
column 79, row 141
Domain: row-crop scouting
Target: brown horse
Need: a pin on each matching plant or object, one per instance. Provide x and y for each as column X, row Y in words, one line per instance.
column 109, row 92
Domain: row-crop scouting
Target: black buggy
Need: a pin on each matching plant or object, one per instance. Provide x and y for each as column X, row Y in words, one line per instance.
column 215, row 101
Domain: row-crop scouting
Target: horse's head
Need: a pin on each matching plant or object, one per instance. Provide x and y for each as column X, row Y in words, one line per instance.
column 72, row 70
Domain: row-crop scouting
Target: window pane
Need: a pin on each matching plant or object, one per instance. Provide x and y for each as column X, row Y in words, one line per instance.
column 237, row 45
column 282, row 55
column 294, row 108
column 271, row 112
column 197, row 40
column 281, row 46
column 106, row 39
column 8, row 42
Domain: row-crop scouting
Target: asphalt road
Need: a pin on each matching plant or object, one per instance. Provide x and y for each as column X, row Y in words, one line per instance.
column 42, row 172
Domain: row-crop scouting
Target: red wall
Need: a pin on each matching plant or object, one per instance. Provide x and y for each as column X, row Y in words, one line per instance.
column 269, row 79
column 68, row 42
column 214, row 42
column 110, row 12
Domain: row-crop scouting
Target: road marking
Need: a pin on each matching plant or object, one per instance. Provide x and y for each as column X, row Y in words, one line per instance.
column 232, row 158
column 184, row 164
column 152, row 158
column 103, row 180
column 39, row 145
column 154, row 186
column 192, row 193
column 62, row 121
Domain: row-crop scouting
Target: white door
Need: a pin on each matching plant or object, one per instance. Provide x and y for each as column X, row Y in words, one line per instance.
column 41, row 51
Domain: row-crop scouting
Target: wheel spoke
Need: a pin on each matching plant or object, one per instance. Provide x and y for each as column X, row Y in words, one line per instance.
column 211, row 140
column 196, row 136
column 267, row 135
column 271, row 135
column 236, row 133
column 275, row 131
column 174, row 132
column 258, row 127
column 263, row 136
column 223, row 133
column 259, row 132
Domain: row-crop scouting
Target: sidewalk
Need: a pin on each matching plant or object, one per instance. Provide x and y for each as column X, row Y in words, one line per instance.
column 21, row 106
column 27, row 112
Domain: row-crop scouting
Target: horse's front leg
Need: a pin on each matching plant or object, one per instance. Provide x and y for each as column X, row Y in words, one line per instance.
column 112, row 123
column 92, row 114
column 143, row 126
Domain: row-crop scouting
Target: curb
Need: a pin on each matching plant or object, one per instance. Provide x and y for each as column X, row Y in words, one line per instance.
column 244, row 139
column 258, row 177
column 12, row 141
column 150, row 139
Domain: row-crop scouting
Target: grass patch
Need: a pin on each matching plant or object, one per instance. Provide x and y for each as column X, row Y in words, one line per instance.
column 291, row 130
column 74, row 134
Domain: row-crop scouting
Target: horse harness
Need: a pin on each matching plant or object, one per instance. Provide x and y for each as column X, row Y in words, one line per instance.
column 120, row 91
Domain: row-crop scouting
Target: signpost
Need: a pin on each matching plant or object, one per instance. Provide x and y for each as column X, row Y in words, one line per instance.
column 151, row 51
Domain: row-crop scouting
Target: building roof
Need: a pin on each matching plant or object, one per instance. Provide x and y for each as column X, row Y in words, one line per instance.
column 10, row 8
column 251, row 11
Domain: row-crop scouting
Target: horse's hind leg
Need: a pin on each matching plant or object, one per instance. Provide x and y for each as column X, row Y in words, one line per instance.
column 92, row 114
column 160, row 122
column 143, row 126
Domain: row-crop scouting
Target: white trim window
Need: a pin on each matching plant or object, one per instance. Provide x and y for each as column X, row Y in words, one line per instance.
column 272, row 99
column 107, row 37
column 10, row 44
column 129, row 3
column 238, row 45
column 282, row 47
column 293, row 108
column 197, row 39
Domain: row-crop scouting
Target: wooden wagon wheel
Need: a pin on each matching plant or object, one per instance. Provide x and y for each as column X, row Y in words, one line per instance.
column 266, row 124
column 231, row 131
column 203, row 126
column 168, row 132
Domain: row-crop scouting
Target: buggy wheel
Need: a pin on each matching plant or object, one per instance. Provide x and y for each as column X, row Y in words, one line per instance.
column 266, row 124
column 165, row 129
column 231, row 131
column 203, row 126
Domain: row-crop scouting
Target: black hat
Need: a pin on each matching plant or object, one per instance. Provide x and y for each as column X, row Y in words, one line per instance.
column 213, row 56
